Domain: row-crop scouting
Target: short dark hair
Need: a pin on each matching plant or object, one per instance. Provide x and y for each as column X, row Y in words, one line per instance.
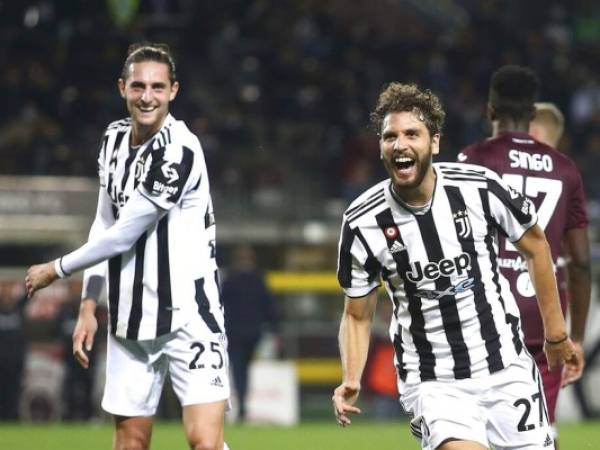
column 146, row 51
column 513, row 90
column 398, row 97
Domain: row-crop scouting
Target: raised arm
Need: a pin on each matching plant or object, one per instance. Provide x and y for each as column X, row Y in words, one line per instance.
column 354, row 337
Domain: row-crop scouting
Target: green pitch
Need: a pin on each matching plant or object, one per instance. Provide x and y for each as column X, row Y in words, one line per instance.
column 317, row 436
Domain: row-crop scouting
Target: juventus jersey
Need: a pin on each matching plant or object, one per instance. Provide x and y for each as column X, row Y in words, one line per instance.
column 454, row 316
column 552, row 182
column 169, row 276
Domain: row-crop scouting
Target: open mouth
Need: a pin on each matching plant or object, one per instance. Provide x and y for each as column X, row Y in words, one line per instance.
column 403, row 162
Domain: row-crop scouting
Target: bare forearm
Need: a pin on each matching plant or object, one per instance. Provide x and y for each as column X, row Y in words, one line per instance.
column 354, row 339
column 544, row 282
column 88, row 306
column 579, row 293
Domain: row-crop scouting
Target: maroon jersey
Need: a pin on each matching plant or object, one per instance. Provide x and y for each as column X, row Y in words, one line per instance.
column 551, row 180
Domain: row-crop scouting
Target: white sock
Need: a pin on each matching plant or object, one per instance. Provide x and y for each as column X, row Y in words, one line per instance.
column 225, row 446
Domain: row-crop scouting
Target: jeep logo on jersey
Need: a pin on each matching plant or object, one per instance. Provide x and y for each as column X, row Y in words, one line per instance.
column 445, row 268
column 463, row 224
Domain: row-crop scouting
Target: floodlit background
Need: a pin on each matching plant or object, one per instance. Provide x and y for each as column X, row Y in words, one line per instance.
column 279, row 94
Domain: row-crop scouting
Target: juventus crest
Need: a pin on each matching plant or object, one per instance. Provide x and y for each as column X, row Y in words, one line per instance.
column 462, row 223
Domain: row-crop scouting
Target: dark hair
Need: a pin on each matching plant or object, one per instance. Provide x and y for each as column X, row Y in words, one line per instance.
column 146, row 51
column 398, row 97
column 513, row 90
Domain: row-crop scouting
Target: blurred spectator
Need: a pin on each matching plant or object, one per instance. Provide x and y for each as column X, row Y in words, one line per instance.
column 266, row 68
column 12, row 347
column 249, row 308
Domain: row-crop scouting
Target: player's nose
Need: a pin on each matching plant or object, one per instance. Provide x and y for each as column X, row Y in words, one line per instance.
column 399, row 143
column 147, row 95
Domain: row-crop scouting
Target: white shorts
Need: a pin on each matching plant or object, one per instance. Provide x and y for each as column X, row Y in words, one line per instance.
column 136, row 371
column 505, row 410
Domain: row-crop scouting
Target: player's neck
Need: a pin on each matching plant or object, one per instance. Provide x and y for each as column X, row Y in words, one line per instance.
column 140, row 134
column 507, row 125
column 419, row 196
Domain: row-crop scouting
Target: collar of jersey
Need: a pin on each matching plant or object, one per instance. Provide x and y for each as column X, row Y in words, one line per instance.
column 168, row 120
column 411, row 209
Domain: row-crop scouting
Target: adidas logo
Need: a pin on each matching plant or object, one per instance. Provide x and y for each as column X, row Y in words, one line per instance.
column 549, row 441
column 217, row 382
column 397, row 247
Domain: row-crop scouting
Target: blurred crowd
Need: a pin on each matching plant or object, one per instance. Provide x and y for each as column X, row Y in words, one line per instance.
column 39, row 377
column 280, row 91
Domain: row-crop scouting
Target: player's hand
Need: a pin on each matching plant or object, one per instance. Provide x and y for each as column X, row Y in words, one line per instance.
column 344, row 397
column 39, row 276
column 84, row 332
column 561, row 353
column 572, row 372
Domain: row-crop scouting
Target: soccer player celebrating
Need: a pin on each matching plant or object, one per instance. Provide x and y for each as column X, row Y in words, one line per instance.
column 430, row 232
column 155, row 227
column 553, row 183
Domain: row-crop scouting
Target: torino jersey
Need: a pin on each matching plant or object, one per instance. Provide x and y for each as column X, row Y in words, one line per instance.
column 169, row 276
column 551, row 180
column 454, row 316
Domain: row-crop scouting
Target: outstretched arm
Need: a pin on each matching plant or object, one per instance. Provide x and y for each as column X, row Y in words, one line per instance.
column 558, row 346
column 354, row 337
column 137, row 216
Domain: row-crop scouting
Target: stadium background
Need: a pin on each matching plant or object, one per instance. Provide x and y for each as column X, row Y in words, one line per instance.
column 279, row 93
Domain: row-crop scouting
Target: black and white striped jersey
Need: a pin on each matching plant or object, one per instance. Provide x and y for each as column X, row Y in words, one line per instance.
column 169, row 276
column 454, row 316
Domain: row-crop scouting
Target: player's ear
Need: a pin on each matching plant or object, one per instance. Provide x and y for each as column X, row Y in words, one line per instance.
column 174, row 90
column 121, row 85
column 435, row 144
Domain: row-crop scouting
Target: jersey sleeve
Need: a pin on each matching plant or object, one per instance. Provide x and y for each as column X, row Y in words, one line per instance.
column 102, row 161
column 512, row 211
column 136, row 217
column 577, row 216
column 168, row 175
column 93, row 277
column 358, row 271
